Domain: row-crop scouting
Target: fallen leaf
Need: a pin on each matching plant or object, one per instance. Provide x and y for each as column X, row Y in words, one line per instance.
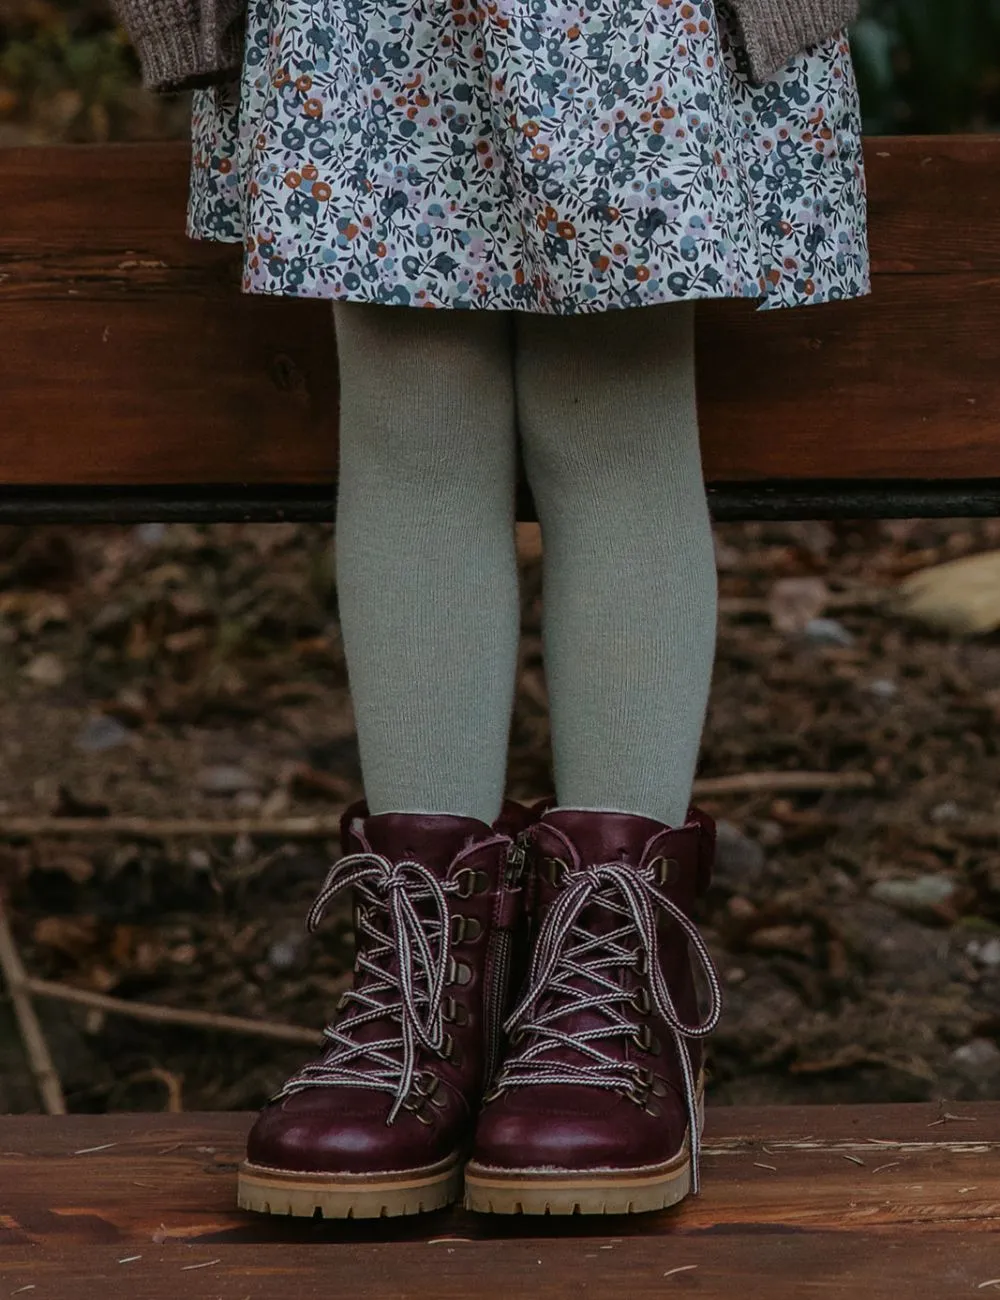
column 225, row 779
column 795, row 939
column 72, row 935
column 45, row 670
column 962, row 596
column 793, row 603
column 56, row 858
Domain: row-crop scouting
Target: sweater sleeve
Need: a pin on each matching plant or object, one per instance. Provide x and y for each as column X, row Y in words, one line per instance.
column 776, row 30
column 183, row 44
column 223, row 28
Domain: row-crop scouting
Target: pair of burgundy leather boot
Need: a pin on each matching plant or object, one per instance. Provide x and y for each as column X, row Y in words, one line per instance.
column 523, row 1022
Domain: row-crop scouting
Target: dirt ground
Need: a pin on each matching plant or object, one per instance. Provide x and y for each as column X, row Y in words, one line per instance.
column 197, row 672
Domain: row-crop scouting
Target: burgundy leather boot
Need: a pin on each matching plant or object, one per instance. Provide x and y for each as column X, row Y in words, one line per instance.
column 597, row 1106
column 381, row 1123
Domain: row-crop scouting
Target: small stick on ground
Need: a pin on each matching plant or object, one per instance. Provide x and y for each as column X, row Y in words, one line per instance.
column 777, row 782
column 734, row 606
column 36, row 1049
column 328, row 827
column 171, row 1082
column 172, row 1015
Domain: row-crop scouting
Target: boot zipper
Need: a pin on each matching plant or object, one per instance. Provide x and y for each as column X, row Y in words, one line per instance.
column 501, row 944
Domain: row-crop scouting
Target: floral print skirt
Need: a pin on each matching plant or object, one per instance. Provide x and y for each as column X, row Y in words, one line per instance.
column 554, row 156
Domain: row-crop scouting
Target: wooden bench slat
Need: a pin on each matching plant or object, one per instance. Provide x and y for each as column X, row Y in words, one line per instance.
column 758, row 1264
column 130, row 358
column 82, row 1196
column 85, row 1180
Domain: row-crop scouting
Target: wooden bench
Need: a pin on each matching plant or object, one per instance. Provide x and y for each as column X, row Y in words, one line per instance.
column 839, row 1202
column 136, row 383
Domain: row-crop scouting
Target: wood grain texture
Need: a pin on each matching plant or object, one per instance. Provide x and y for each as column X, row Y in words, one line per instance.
column 81, row 1196
column 758, row 1266
column 130, row 356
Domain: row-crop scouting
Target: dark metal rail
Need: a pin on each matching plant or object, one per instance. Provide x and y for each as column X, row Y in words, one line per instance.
column 783, row 499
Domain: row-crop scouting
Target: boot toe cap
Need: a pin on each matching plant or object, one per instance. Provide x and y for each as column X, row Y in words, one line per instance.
column 574, row 1128
column 345, row 1130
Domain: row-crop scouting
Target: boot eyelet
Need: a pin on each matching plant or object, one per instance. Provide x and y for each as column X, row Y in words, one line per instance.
column 458, row 972
column 666, row 871
column 469, row 882
column 642, row 962
column 465, row 929
column 454, row 1013
column 641, row 1002
column 658, row 1088
column 643, row 1038
column 554, row 871
column 651, row 1108
column 416, row 1108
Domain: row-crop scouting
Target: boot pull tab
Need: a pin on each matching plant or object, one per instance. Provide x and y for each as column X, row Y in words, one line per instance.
column 706, row 847
column 357, row 809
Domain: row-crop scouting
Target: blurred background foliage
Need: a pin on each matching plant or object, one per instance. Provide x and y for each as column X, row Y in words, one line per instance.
column 67, row 73
column 929, row 66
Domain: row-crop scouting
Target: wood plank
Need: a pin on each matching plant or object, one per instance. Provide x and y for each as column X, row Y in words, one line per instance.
column 131, row 358
column 143, row 1206
column 754, row 1265
column 121, row 1177
column 914, row 182
column 905, row 384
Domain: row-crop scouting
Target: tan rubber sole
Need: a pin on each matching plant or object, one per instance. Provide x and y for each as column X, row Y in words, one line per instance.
column 527, row 1191
column 349, row 1196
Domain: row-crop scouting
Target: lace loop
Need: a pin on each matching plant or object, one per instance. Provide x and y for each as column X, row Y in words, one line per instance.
column 565, row 951
column 410, row 960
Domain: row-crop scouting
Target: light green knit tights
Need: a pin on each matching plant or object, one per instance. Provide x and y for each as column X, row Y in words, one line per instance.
column 431, row 402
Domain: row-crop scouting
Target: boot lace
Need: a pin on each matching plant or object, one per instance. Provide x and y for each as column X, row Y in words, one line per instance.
column 400, row 976
column 581, row 967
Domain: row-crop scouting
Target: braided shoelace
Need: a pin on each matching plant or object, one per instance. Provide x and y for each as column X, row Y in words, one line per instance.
column 399, row 976
column 565, row 952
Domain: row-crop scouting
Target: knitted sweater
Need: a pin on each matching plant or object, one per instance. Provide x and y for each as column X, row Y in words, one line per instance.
column 184, row 44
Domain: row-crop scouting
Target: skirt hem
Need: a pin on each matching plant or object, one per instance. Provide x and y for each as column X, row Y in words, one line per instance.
column 767, row 300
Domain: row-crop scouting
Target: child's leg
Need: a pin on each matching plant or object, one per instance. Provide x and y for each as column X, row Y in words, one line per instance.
column 426, row 557
column 606, row 406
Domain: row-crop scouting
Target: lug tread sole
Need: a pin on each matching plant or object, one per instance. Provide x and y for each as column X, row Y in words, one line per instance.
column 577, row 1193
column 566, row 1192
column 348, row 1196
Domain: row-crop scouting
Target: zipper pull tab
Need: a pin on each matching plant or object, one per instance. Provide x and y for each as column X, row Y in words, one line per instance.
column 510, row 890
column 517, row 856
